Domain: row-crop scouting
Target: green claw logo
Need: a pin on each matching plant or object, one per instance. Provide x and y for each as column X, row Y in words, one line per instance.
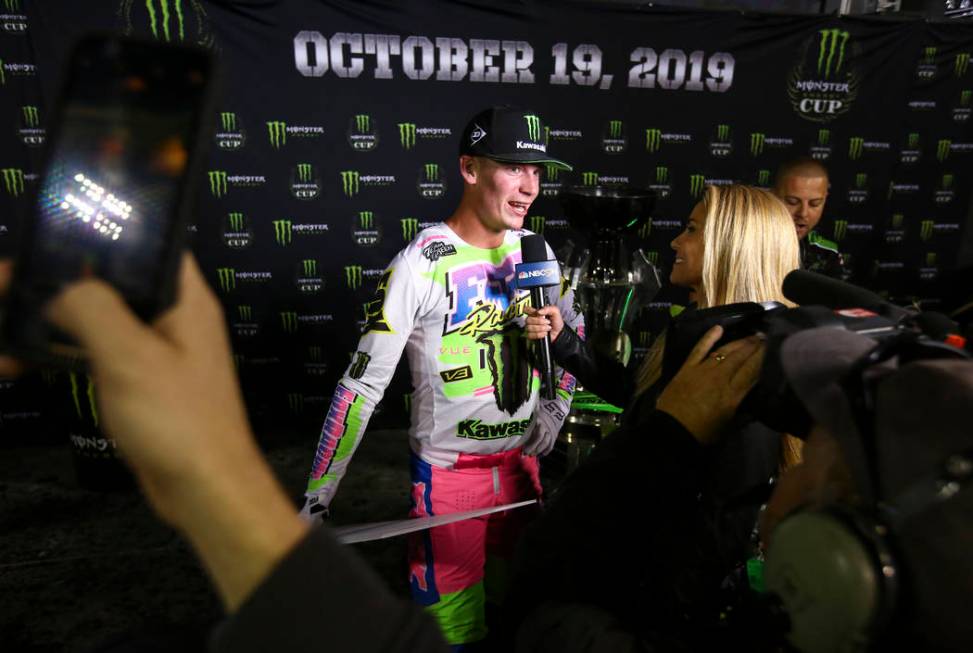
column 3, row 77
column 722, row 133
column 926, row 229
column 315, row 353
column 227, row 278
column 855, row 145
column 537, row 223
column 942, row 149
column 217, row 183
column 366, row 220
column 947, row 182
column 757, row 143
column 245, row 312
column 410, row 227
column 964, row 98
column 897, row 219
column 13, row 181
column 696, row 183
column 295, row 401
column 283, row 231
column 407, row 135
column 349, row 182
column 824, row 137
column 304, row 173
column 646, row 230
column 614, row 128
column 353, row 276
column 533, row 127
column 363, row 123
column 861, row 180
column 662, row 174
column 310, row 267
column 277, row 131
column 75, row 392
column 551, row 171
column 236, row 221
column 832, row 43
column 930, row 258
column 913, row 140
column 359, row 365
column 228, row 121
column 962, row 63
column 288, row 321
column 840, row 229
column 589, row 178
column 432, row 171
column 929, row 56
column 30, row 116
column 763, row 177
column 653, row 140
column 652, row 257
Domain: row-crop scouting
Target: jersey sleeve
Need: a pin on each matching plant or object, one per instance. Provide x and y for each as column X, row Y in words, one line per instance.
column 554, row 411
column 389, row 320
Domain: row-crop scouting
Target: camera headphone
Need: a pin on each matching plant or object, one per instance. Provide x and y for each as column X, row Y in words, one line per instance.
column 836, row 570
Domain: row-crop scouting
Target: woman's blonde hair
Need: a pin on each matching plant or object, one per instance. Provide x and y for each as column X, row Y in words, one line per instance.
column 749, row 246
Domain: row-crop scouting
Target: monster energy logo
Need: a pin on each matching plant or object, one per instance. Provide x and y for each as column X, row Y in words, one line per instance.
column 913, row 140
column 366, row 219
column 646, row 230
column 277, row 131
column 217, row 183
column 589, row 178
column 614, row 128
column 930, row 258
column 310, row 267
column 349, row 182
column 295, row 401
column 964, row 98
column 661, row 174
column 407, row 135
column 652, row 257
column 929, row 56
column 833, row 43
column 855, row 145
column 537, row 223
column 551, row 171
column 926, row 229
column 245, row 311
column 30, row 116
column 840, row 229
column 962, row 63
column 696, row 184
column 757, row 143
column 282, row 231
column 432, row 171
column 315, row 353
column 236, row 221
column 947, row 181
column 228, row 120
column 92, row 404
column 304, row 173
column 359, row 365
column 653, row 139
column 13, row 181
column 410, row 227
column 227, row 278
column 897, row 219
column 942, row 149
column 722, row 133
column 860, row 180
column 353, row 276
column 362, row 123
column 288, row 321
column 533, row 127
column 164, row 17
column 763, row 177
column 3, row 77
column 824, row 137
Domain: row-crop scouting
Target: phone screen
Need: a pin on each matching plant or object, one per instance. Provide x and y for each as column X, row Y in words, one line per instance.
column 108, row 199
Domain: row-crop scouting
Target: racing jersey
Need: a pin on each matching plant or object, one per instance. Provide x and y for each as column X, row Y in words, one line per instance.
column 455, row 310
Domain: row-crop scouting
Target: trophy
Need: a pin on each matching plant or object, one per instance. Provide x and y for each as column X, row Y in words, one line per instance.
column 612, row 281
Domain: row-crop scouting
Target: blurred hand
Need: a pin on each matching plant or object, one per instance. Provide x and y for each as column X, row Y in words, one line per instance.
column 541, row 436
column 706, row 391
column 544, row 320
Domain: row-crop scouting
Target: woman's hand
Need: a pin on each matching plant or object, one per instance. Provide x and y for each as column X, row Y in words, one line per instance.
column 544, row 320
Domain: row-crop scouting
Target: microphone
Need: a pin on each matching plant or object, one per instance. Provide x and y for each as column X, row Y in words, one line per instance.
column 536, row 273
column 809, row 288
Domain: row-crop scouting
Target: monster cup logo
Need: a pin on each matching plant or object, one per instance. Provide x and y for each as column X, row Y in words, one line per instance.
column 278, row 133
column 721, row 145
column 295, row 401
column 910, row 152
column 245, row 326
column 31, row 134
column 613, row 140
column 283, row 230
column 653, row 140
column 350, row 182
column 550, row 187
column 227, row 278
column 840, row 229
column 589, row 178
column 942, row 149
column 307, row 279
column 859, row 193
column 30, row 116
column 962, row 63
column 167, row 20
column 945, row 193
column 926, row 69
column 430, row 186
column 217, row 182
column 893, row 231
column 822, row 150
column 364, row 232
column 926, row 229
column 696, row 184
column 353, row 276
column 304, row 183
column 237, row 234
column 13, row 181
column 823, row 85
column 661, row 186
column 363, row 133
column 13, row 21
column 230, row 135
column 962, row 112
column 407, row 135
column 315, row 365
column 410, row 227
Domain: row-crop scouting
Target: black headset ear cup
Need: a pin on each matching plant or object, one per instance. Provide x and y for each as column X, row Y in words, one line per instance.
column 834, row 575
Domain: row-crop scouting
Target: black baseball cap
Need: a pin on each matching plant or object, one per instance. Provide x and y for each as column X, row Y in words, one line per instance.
column 508, row 134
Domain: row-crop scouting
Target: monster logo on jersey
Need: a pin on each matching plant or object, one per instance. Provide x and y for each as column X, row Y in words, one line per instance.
column 365, row 231
column 721, row 143
column 237, row 233
column 362, row 132
column 613, row 137
column 824, row 82
column 172, row 21
column 375, row 320
column 431, row 184
column 305, row 184
column 230, row 135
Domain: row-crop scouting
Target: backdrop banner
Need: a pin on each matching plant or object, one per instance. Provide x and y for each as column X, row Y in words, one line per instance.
column 337, row 135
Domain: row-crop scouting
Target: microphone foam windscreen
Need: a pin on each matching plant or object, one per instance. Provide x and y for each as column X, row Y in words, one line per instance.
column 533, row 248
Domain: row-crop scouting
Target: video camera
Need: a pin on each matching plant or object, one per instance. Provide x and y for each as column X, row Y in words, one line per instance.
column 823, row 302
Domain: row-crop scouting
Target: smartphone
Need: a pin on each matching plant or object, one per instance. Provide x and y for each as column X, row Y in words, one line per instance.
column 115, row 193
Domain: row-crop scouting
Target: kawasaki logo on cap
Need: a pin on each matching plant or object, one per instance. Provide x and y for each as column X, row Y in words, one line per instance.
column 831, row 51
column 407, row 135
column 283, row 231
column 13, row 181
